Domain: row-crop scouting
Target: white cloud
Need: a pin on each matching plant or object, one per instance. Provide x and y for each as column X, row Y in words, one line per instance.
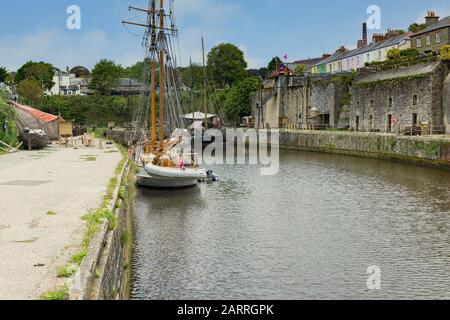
column 62, row 49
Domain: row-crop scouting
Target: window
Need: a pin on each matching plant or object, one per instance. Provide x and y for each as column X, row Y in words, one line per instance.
column 438, row 37
column 419, row 43
column 390, row 102
column 415, row 100
column 428, row 40
column 379, row 54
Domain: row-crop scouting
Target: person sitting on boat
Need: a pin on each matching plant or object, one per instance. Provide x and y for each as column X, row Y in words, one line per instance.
column 182, row 163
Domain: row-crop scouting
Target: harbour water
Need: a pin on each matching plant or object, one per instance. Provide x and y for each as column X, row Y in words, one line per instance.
column 310, row 232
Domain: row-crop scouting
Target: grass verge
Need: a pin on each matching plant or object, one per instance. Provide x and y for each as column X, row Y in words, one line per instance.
column 58, row 294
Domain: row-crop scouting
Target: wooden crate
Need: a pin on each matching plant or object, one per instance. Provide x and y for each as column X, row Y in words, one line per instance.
column 66, row 129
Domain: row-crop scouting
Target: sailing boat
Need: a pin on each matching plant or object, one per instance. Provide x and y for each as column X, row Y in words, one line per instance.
column 164, row 163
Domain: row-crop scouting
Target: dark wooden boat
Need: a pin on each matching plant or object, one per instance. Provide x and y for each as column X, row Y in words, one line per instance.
column 34, row 139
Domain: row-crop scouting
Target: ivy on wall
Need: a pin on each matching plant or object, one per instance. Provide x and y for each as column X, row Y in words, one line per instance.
column 391, row 81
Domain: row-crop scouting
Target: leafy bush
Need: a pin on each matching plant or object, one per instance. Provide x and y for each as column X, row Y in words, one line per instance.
column 393, row 54
column 409, row 52
column 445, row 53
column 90, row 110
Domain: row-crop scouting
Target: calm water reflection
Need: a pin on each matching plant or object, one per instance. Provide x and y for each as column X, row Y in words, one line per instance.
column 310, row 232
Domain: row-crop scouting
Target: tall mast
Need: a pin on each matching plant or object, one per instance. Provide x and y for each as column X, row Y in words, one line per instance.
column 161, row 74
column 153, row 74
column 204, row 86
column 192, row 91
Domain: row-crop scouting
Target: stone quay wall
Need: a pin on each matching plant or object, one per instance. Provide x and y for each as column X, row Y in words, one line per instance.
column 105, row 272
column 429, row 151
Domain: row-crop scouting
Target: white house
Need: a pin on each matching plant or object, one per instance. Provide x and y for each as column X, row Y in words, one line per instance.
column 68, row 84
column 375, row 52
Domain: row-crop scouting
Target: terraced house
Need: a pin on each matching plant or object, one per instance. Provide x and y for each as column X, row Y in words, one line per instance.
column 345, row 61
column 434, row 36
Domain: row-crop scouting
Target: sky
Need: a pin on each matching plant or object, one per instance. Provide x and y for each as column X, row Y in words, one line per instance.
column 36, row 30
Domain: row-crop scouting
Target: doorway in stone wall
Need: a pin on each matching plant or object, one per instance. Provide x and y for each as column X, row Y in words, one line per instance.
column 414, row 120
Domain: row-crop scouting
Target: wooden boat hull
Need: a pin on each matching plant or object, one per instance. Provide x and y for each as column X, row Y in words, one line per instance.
column 34, row 141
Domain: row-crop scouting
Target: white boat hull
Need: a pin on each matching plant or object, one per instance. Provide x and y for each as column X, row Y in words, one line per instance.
column 146, row 180
column 175, row 173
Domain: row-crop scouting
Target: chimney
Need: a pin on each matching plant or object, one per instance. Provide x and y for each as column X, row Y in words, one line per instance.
column 431, row 18
column 391, row 33
column 378, row 37
column 364, row 39
column 325, row 56
column 342, row 49
column 363, row 43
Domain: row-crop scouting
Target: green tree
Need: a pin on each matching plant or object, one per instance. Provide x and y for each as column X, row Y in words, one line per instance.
column 227, row 64
column 30, row 91
column 416, row 27
column 238, row 102
column 274, row 64
column 7, row 123
column 3, row 74
column 40, row 71
column 105, row 76
column 80, row 72
column 136, row 71
column 301, row 69
column 193, row 76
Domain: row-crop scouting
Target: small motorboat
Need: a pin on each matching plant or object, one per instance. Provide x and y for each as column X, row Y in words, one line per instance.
column 34, row 138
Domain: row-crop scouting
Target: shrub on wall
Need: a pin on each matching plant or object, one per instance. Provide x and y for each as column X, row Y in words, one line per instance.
column 393, row 54
column 445, row 53
column 409, row 52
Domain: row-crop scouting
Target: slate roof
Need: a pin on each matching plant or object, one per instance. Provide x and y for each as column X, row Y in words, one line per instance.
column 371, row 47
column 309, row 62
column 443, row 23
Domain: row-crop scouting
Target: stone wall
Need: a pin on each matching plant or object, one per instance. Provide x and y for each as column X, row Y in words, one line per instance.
column 446, row 104
column 388, row 101
column 398, row 95
column 300, row 95
column 425, row 151
column 114, row 268
column 105, row 272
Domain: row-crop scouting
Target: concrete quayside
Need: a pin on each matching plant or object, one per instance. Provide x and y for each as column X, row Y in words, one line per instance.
column 44, row 195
